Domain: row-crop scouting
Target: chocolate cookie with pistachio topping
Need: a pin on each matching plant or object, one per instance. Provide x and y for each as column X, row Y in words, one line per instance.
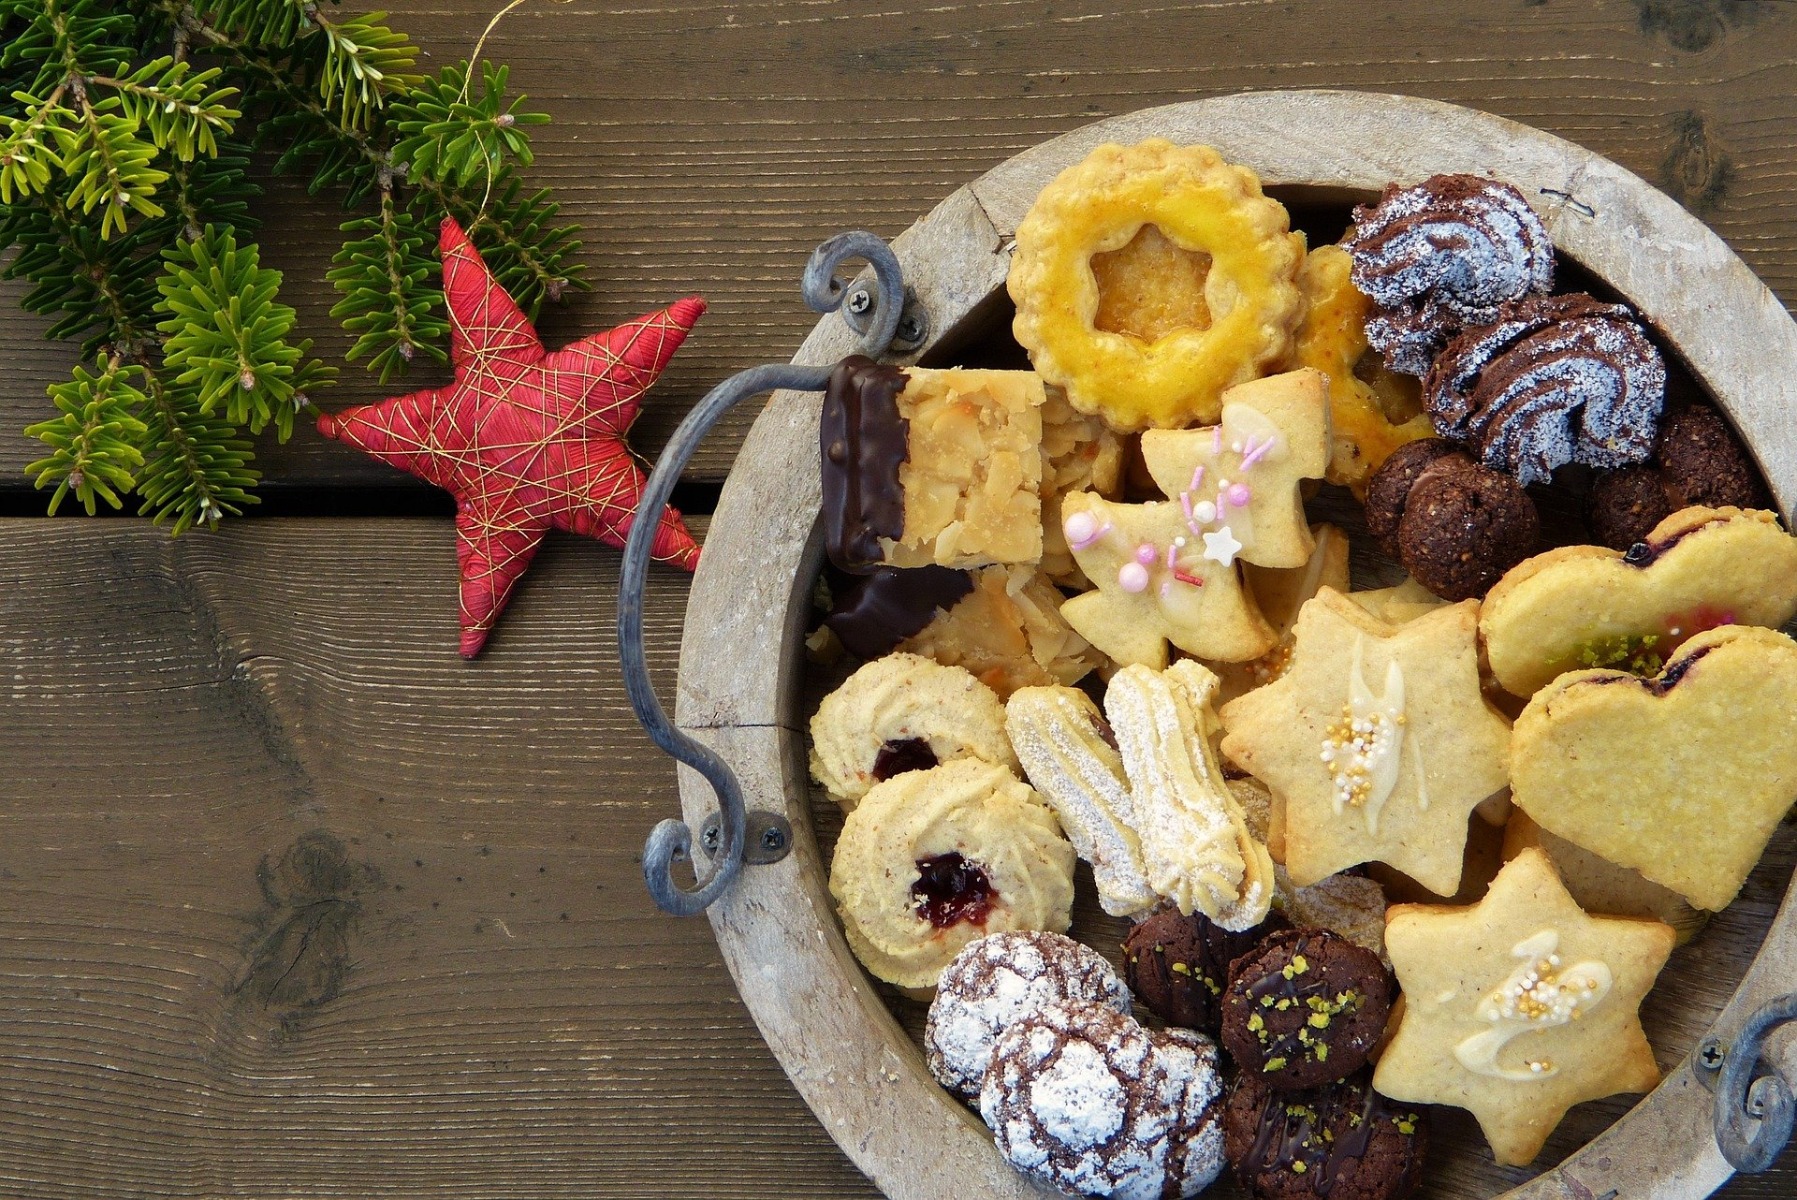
column 1305, row 1007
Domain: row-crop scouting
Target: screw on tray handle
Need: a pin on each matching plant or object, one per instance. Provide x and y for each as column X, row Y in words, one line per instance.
column 1754, row 1107
column 879, row 314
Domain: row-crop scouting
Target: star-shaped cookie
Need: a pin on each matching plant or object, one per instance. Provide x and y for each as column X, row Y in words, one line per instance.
column 1157, row 579
column 1520, row 1006
column 1243, row 475
column 1377, row 739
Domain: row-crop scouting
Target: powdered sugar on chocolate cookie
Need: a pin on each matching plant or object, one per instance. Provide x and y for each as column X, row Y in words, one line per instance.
column 1553, row 380
column 1091, row 1102
column 995, row 982
column 1442, row 256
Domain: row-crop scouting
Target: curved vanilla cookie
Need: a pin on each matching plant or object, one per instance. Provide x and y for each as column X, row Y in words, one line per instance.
column 903, row 713
column 1195, row 839
column 1064, row 745
column 1589, row 606
column 931, row 860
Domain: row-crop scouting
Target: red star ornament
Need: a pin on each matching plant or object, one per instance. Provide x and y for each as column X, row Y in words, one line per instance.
column 525, row 440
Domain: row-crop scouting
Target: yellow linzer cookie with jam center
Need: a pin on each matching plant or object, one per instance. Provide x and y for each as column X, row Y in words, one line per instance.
column 1377, row 739
column 1589, row 606
column 1520, row 1006
column 1681, row 776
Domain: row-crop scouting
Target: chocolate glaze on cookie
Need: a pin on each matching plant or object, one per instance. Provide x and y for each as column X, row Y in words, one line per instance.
column 1552, row 380
column 864, row 442
column 1306, row 1007
column 1342, row 1141
column 1440, row 256
column 889, row 604
column 1178, row 965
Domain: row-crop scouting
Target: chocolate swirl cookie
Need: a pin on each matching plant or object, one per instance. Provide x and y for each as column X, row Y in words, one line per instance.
column 1442, row 256
column 1553, row 380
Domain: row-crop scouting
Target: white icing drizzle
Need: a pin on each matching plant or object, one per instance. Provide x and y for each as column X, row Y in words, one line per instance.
column 1540, row 994
column 1363, row 751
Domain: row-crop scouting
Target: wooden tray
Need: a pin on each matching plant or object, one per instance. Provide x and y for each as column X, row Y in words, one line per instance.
column 742, row 657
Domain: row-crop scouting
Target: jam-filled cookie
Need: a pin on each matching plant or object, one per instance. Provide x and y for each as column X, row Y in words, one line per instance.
column 930, row 860
column 903, row 713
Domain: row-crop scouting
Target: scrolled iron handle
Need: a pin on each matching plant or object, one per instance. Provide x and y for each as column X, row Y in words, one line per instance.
column 671, row 841
column 1754, row 1113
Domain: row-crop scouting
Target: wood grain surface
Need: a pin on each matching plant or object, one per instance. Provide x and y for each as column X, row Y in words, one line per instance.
column 295, row 903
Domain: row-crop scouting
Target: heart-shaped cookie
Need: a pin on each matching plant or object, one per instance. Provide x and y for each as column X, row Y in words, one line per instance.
column 1681, row 776
column 1589, row 606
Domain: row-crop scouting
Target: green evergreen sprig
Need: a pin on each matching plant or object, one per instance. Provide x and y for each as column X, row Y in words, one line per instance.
column 125, row 187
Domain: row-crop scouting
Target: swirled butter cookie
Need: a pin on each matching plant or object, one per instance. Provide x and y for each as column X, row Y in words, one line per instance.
column 903, row 713
column 930, row 860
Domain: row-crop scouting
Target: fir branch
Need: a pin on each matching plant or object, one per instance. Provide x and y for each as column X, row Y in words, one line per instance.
column 28, row 151
column 111, row 167
column 391, row 297
column 532, row 258
column 94, row 443
column 453, row 139
column 178, row 107
column 94, row 283
column 224, row 333
column 196, row 467
column 364, row 62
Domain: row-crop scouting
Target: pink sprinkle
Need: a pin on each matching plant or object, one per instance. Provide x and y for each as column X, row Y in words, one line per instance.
column 1197, row 476
column 1185, row 578
column 1084, row 542
column 1080, row 526
column 1166, row 586
column 1238, row 495
column 1132, row 577
column 1146, row 553
column 1216, row 440
column 1185, row 502
column 1256, row 453
column 1171, row 550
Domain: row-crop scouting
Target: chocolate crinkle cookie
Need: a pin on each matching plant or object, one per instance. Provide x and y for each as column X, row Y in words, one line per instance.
column 1341, row 1141
column 1443, row 255
column 996, row 981
column 1087, row 1100
column 1305, row 1008
column 1454, row 524
column 1698, row 460
column 1552, row 380
column 1178, row 965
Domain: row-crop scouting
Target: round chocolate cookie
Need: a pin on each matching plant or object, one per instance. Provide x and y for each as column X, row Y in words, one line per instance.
column 1304, row 1008
column 1085, row 1099
column 1464, row 525
column 998, row 980
column 1178, row 966
column 1341, row 1141
column 1698, row 460
column 1388, row 490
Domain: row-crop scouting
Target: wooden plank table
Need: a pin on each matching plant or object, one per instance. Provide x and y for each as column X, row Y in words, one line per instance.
column 294, row 902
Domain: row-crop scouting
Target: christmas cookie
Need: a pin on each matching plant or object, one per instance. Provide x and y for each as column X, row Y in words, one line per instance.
column 1239, row 479
column 1520, row 1006
column 1079, row 454
column 995, row 982
column 1441, row 256
column 1341, row 1141
column 1588, row 606
column 925, row 466
column 1151, row 278
column 1195, row 840
column 1377, row 740
column 1070, row 755
column 882, row 608
column 931, row 860
column 1455, row 526
column 1156, row 581
column 1177, row 964
column 1552, row 380
column 903, row 713
column 1008, row 632
column 1372, row 410
column 1682, row 775
column 1399, row 603
column 1304, row 1007
column 1088, row 1101
column 1345, row 903
column 1698, row 460
column 1599, row 886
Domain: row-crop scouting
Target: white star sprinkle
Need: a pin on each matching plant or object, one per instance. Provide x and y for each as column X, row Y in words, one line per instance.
column 1221, row 546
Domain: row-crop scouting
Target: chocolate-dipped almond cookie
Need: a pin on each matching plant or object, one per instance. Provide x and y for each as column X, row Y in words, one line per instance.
column 1305, row 1007
column 1340, row 1141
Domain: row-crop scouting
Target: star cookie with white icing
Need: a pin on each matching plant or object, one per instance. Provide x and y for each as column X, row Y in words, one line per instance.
column 1520, row 1006
column 1237, row 482
column 1377, row 739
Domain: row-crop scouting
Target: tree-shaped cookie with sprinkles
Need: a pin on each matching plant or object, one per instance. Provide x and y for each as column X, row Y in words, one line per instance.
column 1168, row 570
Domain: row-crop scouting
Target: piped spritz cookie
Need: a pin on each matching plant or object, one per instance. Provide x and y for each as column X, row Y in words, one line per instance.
column 1150, row 278
column 931, row 860
column 1377, row 739
column 903, row 713
column 1520, row 1006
